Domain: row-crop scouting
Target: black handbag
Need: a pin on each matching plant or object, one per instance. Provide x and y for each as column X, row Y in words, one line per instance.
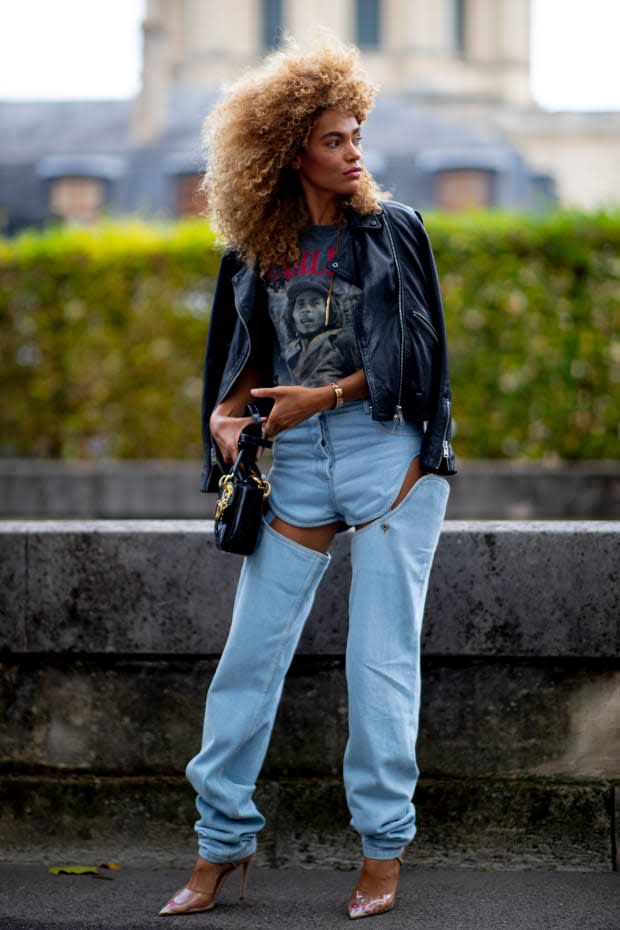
column 242, row 492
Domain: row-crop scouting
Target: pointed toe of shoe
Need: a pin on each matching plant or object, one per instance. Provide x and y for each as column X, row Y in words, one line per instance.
column 362, row 905
column 187, row 901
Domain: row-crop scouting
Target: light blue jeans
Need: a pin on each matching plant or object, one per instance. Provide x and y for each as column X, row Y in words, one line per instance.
column 338, row 465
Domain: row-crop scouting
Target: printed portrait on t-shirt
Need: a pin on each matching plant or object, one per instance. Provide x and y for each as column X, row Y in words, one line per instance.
column 314, row 345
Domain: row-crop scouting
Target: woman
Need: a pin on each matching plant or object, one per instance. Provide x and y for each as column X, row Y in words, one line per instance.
column 364, row 448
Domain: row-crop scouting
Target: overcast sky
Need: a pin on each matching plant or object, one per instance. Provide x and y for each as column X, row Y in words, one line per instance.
column 70, row 49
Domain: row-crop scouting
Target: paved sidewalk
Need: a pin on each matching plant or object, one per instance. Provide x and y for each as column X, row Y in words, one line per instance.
column 429, row 899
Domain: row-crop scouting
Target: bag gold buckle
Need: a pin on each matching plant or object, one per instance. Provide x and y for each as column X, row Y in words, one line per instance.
column 227, row 485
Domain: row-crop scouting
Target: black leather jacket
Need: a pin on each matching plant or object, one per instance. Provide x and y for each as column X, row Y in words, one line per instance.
column 399, row 327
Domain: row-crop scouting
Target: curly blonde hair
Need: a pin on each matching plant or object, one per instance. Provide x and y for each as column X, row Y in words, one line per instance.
column 252, row 136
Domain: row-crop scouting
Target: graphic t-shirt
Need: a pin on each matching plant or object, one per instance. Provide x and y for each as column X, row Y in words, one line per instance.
column 308, row 351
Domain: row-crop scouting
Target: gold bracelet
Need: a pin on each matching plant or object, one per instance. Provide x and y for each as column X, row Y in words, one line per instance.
column 339, row 394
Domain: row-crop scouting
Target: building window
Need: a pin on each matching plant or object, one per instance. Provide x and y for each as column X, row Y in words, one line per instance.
column 272, row 23
column 190, row 200
column 463, row 188
column 459, row 26
column 368, row 23
column 77, row 199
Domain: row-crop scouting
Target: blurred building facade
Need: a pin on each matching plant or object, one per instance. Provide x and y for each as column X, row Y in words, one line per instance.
column 454, row 126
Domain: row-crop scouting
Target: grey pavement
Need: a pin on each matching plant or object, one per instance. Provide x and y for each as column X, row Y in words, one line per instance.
column 296, row 899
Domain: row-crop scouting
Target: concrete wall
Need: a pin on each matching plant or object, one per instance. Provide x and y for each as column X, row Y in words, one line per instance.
column 110, row 632
column 156, row 489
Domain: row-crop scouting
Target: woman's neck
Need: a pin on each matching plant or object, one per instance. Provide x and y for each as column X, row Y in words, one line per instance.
column 323, row 211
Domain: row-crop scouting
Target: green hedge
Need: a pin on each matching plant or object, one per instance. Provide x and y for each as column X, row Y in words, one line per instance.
column 102, row 340
column 533, row 312
column 102, row 336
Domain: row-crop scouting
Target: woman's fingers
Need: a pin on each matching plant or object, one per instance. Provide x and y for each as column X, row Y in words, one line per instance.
column 226, row 432
column 291, row 405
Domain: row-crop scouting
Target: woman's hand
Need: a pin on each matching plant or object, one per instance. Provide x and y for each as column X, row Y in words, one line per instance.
column 227, row 420
column 226, row 430
column 293, row 404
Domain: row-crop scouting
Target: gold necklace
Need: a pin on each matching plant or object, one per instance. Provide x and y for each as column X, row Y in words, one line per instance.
column 330, row 289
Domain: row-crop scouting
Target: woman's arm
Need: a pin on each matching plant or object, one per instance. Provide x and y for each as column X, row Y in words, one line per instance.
column 294, row 404
column 227, row 420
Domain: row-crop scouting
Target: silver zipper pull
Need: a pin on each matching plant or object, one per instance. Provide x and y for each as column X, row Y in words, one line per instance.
column 446, row 449
column 398, row 417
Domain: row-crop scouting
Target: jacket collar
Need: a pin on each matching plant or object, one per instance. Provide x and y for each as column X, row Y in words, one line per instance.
column 343, row 264
column 365, row 221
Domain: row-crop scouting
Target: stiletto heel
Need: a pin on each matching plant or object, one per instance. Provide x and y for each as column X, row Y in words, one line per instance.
column 375, row 893
column 204, row 885
column 245, row 864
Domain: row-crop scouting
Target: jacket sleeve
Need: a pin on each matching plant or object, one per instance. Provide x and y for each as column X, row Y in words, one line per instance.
column 436, row 454
column 221, row 328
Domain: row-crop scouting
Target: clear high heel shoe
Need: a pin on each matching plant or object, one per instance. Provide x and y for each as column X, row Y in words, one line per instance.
column 204, row 885
column 375, row 892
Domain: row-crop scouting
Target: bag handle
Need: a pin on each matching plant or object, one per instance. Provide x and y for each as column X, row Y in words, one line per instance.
column 250, row 441
column 251, row 437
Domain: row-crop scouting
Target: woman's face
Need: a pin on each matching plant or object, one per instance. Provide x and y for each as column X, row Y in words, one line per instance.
column 308, row 312
column 331, row 163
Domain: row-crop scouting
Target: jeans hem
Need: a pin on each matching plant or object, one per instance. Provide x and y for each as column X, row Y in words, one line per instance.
column 371, row 851
column 247, row 849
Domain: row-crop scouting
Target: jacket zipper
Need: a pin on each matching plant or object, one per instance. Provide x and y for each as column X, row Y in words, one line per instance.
column 398, row 412
column 426, row 324
column 445, row 445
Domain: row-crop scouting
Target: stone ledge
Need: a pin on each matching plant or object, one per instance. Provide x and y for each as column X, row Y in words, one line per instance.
column 148, row 821
column 545, row 589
